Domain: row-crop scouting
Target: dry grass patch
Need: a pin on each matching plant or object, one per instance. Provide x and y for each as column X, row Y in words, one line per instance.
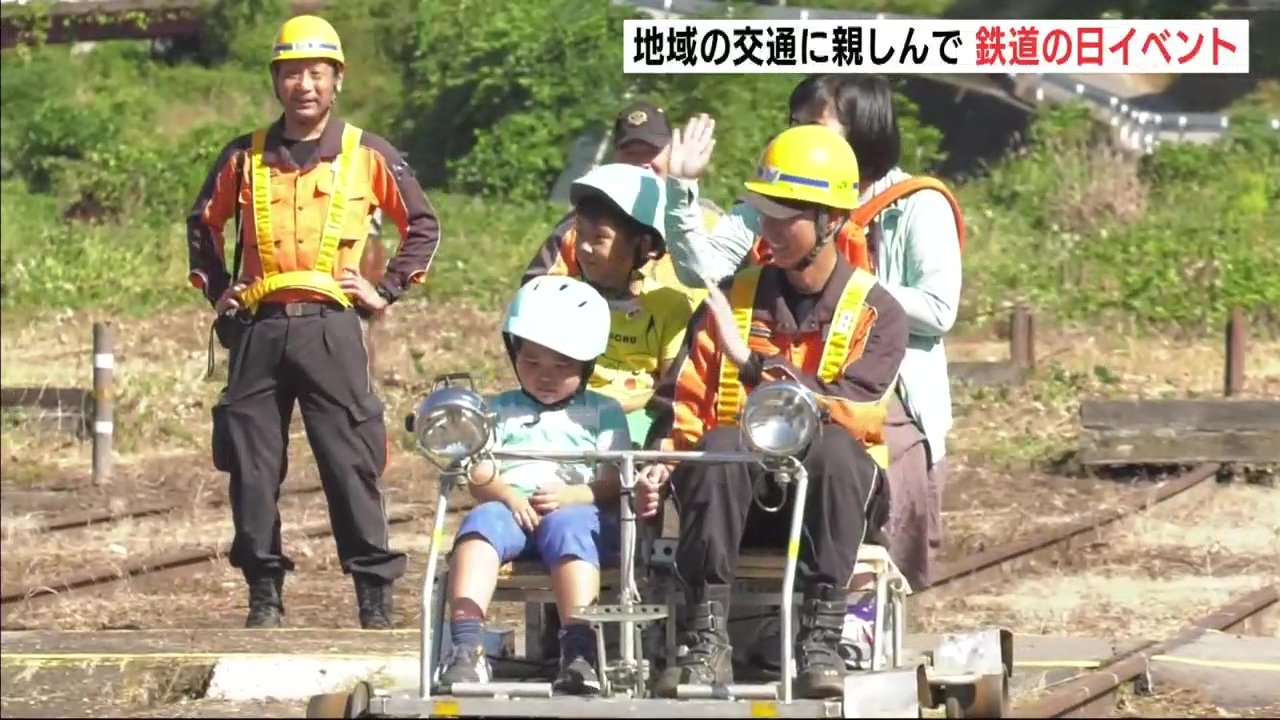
column 1159, row 571
column 1011, row 449
column 133, row 539
column 1117, row 602
column 1237, row 521
column 986, row 506
column 317, row 594
column 162, row 394
column 214, row 594
column 1186, row 703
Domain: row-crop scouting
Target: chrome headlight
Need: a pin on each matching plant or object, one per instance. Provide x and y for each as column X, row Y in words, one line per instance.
column 451, row 425
column 780, row 418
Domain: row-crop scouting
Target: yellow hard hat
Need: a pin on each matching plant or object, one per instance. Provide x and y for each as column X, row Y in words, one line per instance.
column 307, row 37
column 807, row 163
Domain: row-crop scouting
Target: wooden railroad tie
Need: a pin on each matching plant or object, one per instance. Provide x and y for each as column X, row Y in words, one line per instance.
column 1175, row 432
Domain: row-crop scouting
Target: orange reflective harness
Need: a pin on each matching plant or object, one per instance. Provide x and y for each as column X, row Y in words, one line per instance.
column 320, row 277
column 731, row 394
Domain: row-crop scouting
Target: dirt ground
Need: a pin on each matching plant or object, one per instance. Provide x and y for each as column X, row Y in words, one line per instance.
column 1183, row 703
column 1010, row 454
column 1157, row 573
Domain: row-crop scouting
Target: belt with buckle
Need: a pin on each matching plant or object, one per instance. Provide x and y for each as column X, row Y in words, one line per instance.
column 297, row 309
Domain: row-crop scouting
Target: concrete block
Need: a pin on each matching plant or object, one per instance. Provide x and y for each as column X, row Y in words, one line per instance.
column 1234, row 672
column 293, row 677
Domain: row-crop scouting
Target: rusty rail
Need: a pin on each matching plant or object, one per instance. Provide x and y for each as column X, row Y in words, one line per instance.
column 996, row 563
column 168, row 560
column 1083, row 696
column 85, row 518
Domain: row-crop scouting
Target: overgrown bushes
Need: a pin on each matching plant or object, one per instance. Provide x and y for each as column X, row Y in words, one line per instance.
column 487, row 100
column 1093, row 234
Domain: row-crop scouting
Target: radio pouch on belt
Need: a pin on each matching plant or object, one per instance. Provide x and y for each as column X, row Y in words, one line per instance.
column 228, row 328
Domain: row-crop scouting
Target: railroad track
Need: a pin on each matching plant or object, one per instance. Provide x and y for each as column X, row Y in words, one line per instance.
column 102, row 576
column 78, row 519
column 986, row 568
column 978, row 570
column 1093, row 694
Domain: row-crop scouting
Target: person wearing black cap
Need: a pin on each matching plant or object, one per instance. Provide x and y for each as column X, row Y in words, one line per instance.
column 642, row 136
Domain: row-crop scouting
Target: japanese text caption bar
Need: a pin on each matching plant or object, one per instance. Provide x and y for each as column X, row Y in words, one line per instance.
column 936, row 46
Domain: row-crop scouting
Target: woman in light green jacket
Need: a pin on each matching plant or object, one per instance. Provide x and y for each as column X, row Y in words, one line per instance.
column 915, row 246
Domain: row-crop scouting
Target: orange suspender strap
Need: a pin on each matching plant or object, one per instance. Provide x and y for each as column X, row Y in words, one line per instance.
column 730, row 393
column 867, row 212
column 320, row 277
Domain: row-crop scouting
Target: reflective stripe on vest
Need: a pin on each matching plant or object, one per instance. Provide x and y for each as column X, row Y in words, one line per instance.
column 742, row 295
column 319, row 278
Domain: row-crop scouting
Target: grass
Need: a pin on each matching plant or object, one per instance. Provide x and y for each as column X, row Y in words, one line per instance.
column 132, row 539
column 1155, row 574
column 137, row 270
column 316, row 596
column 1185, row 703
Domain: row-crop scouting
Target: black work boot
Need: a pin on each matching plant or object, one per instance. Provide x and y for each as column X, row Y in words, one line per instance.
column 266, row 604
column 577, row 675
column 705, row 656
column 373, row 599
column 820, row 668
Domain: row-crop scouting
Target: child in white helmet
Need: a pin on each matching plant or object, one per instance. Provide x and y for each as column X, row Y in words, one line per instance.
column 563, row 513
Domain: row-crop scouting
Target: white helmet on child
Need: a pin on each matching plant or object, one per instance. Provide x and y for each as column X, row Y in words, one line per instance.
column 561, row 313
column 637, row 191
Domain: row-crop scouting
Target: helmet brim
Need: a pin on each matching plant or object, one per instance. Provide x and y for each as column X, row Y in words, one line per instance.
column 771, row 208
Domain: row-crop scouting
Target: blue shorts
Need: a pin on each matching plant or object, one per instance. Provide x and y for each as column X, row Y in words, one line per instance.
column 578, row 531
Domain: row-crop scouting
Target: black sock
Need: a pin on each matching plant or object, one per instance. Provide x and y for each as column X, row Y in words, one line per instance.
column 578, row 638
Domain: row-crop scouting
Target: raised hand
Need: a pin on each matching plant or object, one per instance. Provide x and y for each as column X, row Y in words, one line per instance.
column 691, row 148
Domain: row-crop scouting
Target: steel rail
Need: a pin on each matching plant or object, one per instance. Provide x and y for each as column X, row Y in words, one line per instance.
column 997, row 563
column 78, row 519
column 1088, row 693
column 101, row 575
column 983, row 568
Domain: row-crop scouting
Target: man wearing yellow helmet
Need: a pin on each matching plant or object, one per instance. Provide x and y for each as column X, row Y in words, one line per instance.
column 301, row 192
column 809, row 316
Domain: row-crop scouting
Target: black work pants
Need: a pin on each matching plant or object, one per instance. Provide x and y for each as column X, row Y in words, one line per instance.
column 720, row 510
column 314, row 354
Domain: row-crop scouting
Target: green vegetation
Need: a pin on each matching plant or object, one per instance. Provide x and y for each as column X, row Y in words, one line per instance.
column 102, row 152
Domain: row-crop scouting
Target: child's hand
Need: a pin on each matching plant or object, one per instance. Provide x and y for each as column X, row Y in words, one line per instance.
column 526, row 517
column 550, row 497
column 649, row 489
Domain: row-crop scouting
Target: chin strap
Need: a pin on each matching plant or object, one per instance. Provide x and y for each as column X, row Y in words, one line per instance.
column 823, row 240
column 587, row 370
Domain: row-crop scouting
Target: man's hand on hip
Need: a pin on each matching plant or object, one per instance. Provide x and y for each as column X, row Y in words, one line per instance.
column 230, row 300
column 361, row 291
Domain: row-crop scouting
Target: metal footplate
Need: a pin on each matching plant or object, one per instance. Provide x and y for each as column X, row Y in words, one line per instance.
column 406, row 704
column 499, row 689
column 620, row 613
column 883, row 694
